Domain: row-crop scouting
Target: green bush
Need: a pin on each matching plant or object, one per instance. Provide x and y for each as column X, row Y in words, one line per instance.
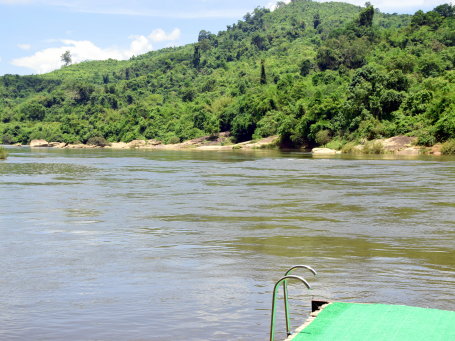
column 335, row 144
column 349, row 148
column 425, row 137
column 373, row 147
column 98, row 141
column 171, row 138
column 323, row 137
column 3, row 153
column 269, row 124
column 448, row 147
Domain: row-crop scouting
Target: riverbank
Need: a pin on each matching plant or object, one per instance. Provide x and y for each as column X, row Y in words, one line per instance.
column 219, row 142
column 397, row 145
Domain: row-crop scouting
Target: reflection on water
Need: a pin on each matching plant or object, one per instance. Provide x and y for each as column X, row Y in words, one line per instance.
column 148, row 245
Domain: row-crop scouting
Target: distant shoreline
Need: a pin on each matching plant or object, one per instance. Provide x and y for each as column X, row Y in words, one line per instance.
column 203, row 143
column 397, row 145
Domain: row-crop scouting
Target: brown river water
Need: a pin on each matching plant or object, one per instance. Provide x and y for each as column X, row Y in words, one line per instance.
column 187, row 245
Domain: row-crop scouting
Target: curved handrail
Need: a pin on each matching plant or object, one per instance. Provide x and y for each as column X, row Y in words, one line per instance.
column 275, row 290
column 285, row 294
column 301, row 267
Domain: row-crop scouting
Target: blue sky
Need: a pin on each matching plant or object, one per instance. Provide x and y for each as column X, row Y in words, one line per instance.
column 34, row 33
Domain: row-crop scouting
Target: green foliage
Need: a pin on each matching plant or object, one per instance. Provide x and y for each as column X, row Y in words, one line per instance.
column 98, row 141
column 335, row 144
column 445, row 10
column 349, row 148
column 263, row 75
column 426, row 137
column 366, row 17
column 373, row 147
column 322, row 137
column 269, row 124
column 328, row 58
column 313, row 73
column 316, row 20
column 33, row 111
column 305, row 67
column 432, row 19
column 66, row 58
column 448, row 148
column 196, row 56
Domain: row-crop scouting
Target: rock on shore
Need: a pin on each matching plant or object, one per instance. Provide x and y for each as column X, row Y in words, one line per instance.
column 216, row 142
column 398, row 145
column 325, row 151
column 39, row 143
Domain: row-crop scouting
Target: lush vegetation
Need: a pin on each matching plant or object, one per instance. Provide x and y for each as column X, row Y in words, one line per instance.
column 313, row 73
column 448, row 147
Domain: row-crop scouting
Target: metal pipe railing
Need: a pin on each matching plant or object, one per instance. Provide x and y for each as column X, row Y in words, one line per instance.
column 285, row 294
column 275, row 290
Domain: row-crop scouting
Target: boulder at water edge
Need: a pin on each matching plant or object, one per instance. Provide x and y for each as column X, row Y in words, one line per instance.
column 325, row 151
column 39, row 143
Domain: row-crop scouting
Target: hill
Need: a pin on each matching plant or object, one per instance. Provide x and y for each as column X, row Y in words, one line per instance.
column 313, row 73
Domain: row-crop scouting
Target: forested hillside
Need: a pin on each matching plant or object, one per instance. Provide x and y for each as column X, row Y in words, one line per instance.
column 314, row 73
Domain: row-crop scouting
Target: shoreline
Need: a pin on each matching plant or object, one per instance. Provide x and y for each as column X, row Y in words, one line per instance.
column 202, row 143
column 397, row 145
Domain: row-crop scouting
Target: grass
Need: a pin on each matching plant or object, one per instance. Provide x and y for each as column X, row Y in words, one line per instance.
column 448, row 147
column 335, row 144
column 373, row 147
column 370, row 147
column 3, row 153
column 349, row 148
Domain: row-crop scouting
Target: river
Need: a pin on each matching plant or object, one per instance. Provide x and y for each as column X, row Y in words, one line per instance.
column 157, row 245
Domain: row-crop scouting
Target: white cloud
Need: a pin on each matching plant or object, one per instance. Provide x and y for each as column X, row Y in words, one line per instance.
column 24, row 46
column 159, row 35
column 274, row 4
column 139, row 45
column 81, row 50
column 49, row 59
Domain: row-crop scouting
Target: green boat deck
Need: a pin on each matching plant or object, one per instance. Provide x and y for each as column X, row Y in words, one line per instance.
column 356, row 321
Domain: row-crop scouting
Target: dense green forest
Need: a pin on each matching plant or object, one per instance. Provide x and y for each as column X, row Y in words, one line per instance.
column 312, row 73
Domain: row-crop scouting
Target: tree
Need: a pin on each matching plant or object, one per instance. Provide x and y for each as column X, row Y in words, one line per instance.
column 196, row 57
column 259, row 41
column 66, row 58
column 203, row 35
column 328, row 58
column 33, row 111
column 316, row 20
column 366, row 17
column 263, row 75
column 305, row 67
column 445, row 10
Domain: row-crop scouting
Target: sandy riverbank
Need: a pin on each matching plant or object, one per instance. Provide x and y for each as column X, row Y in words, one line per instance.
column 397, row 145
column 220, row 142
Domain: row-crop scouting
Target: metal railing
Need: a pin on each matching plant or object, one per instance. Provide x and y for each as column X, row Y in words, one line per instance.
column 283, row 281
column 285, row 294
